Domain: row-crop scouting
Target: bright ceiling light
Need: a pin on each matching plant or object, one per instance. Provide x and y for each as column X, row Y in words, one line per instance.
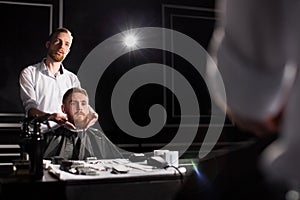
column 130, row 41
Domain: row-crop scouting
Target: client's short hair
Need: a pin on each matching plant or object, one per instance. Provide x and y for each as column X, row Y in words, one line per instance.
column 73, row 90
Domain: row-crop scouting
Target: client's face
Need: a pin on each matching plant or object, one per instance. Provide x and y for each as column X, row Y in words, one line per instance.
column 77, row 109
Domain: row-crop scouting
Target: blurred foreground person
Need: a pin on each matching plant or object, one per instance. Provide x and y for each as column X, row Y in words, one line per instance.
column 257, row 50
column 256, row 47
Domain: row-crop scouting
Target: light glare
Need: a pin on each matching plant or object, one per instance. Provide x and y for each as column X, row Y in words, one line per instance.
column 130, row 41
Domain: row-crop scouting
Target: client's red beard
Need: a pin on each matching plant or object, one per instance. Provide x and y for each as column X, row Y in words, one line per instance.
column 80, row 120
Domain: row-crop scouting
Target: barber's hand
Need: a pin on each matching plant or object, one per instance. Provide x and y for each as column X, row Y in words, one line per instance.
column 93, row 118
column 260, row 128
column 61, row 119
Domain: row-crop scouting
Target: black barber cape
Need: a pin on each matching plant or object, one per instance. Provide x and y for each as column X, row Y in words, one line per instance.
column 73, row 144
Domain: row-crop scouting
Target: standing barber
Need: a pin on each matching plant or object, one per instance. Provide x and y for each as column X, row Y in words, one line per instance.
column 42, row 85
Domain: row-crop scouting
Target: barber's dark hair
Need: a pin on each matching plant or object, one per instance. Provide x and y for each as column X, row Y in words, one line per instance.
column 57, row 31
column 73, row 90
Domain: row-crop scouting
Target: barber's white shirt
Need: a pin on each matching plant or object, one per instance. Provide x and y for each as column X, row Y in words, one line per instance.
column 44, row 91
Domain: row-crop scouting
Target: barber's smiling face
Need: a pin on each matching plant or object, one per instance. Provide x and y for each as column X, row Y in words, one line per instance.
column 77, row 109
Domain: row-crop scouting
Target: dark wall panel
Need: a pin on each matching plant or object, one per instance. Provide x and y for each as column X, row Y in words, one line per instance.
column 24, row 29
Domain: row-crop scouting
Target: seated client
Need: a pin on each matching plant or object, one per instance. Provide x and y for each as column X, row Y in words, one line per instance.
column 79, row 143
